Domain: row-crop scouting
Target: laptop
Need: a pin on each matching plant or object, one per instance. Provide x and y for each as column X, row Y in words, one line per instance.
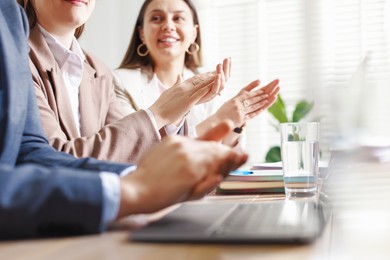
column 278, row 221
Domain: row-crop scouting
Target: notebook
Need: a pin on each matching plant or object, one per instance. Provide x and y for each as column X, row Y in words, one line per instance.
column 250, row 187
column 278, row 221
column 245, row 181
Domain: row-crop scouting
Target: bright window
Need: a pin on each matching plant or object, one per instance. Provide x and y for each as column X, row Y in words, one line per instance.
column 331, row 52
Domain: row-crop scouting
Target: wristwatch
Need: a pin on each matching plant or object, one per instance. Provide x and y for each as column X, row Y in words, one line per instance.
column 238, row 130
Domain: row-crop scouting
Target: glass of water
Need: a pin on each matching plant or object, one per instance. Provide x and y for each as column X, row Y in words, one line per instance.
column 300, row 153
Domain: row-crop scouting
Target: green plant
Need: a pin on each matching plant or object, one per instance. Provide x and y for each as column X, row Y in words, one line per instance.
column 278, row 111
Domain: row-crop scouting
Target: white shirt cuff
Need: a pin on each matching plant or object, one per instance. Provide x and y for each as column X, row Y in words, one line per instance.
column 153, row 120
column 111, row 198
column 128, row 170
column 173, row 129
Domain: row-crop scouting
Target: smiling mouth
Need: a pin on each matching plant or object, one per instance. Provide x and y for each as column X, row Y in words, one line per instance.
column 168, row 40
column 78, row 1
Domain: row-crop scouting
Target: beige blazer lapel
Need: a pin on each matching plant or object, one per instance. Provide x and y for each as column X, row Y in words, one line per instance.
column 90, row 101
column 57, row 95
column 63, row 103
column 149, row 91
column 136, row 82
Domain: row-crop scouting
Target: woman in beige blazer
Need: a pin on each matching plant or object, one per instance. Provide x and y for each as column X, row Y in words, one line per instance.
column 79, row 110
column 166, row 42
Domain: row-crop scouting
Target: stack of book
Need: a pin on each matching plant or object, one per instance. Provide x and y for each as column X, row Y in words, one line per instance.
column 259, row 179
column 253, row 181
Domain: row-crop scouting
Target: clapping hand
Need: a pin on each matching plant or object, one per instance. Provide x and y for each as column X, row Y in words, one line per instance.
column 179, row 169
column 176, row 101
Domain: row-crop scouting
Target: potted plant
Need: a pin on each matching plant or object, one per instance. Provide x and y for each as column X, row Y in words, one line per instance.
column 278, row 111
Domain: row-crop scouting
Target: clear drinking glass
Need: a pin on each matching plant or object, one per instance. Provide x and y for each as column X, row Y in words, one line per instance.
column 300, row 153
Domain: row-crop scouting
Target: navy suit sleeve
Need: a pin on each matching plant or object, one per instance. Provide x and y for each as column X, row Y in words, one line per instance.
column 37, row 201
column 42, row 192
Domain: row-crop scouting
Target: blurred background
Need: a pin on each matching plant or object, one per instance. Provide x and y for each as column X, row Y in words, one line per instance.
column 334, row 53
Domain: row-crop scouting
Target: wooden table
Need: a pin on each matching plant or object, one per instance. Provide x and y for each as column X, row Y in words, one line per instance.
column 115, row 244
column 359, row 228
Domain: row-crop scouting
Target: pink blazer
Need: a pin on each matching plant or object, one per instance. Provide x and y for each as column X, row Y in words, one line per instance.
column 105, row 133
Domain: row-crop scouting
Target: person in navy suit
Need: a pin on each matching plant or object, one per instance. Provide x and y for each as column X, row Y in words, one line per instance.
column 44, row 192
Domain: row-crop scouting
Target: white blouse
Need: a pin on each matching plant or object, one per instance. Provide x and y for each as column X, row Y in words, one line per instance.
column 135, row 91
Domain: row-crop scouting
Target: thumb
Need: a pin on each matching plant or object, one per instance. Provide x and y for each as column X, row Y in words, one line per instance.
column 218, row 132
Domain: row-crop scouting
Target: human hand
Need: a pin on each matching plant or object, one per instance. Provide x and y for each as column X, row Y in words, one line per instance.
column 224, row 70
column 178, row 169
column 176, row 101
column 248, row 103
column 231, row 162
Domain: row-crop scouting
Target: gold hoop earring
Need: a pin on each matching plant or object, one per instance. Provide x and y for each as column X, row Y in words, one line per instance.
column 194, row 48
column 142, row 54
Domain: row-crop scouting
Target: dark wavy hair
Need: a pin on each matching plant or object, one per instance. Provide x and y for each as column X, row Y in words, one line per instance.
column 32, row 16
column 132, row 60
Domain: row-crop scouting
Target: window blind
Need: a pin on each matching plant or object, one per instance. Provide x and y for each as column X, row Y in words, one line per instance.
column 316, row 48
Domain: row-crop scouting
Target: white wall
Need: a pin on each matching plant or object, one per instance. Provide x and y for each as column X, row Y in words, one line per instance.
column 108, row 31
